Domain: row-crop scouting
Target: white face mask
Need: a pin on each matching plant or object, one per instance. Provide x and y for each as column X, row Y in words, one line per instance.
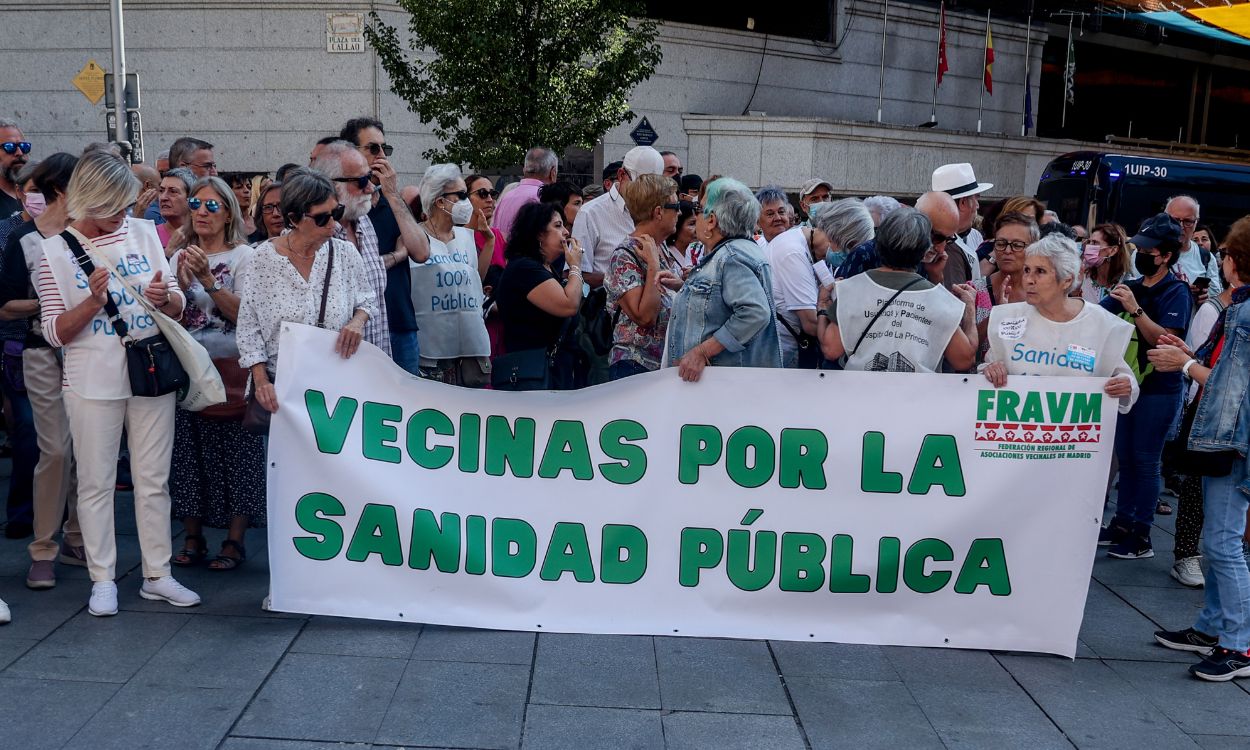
column 461, row 212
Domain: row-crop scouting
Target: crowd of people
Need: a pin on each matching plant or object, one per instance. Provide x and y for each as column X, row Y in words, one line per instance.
column 546, row 285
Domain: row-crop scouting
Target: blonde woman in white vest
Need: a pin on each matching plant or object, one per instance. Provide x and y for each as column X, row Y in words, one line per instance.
column 98, row 398
column 891, row 319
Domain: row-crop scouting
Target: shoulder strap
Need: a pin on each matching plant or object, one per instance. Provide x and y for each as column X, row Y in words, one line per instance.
column 325, row 288
column 883, row 307
column 1205, row 254
column 1217, row 303
column 84, row 262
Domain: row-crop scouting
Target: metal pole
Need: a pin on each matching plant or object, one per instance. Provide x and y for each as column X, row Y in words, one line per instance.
column 1063, row 121
column 984, row 57
column 1028, row 37
column 937, row 65
column 885, row 20
column 119, row 70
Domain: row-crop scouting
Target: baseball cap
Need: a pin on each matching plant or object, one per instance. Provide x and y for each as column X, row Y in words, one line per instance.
column 641, row 160
column 1157, row 230
column 812, row 184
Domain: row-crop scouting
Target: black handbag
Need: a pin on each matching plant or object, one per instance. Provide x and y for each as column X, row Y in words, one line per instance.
column 810, row 355
column 151, row 362
column 526, row 370
column 1198, row 463
column 256, row 417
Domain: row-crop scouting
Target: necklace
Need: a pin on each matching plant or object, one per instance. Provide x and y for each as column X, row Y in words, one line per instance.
column 306, row 254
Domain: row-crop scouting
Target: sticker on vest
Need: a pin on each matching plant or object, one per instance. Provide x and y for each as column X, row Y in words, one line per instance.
column 1011, row 329
column 1080, row 357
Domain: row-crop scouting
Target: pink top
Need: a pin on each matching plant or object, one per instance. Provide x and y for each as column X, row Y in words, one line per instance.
column 506, row 210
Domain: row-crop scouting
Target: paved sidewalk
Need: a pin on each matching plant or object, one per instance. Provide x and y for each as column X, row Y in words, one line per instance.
column 227, row 675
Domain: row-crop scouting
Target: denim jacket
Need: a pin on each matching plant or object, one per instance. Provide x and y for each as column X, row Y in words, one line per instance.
column 728, row 296
column 1222, row 421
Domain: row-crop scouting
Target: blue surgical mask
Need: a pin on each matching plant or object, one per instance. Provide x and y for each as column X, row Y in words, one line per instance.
column 835, row 259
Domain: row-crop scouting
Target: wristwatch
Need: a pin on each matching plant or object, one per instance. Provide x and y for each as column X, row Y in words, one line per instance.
column 1189, row 364
column 822, row 313
column 1138, row 312
column 214, row 288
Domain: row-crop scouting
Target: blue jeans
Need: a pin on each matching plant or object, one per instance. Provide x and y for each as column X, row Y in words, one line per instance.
column 20, row 505
column 406, row 351
column 1227, row 611
column 1139, row 438
column 624, row 368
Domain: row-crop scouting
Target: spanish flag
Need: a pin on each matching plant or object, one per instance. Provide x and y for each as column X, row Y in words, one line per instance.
column 989, row 61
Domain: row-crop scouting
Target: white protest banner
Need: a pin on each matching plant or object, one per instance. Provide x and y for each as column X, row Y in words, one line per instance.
column 887, row 508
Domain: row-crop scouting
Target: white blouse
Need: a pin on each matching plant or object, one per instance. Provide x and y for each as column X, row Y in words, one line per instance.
column 274, row 293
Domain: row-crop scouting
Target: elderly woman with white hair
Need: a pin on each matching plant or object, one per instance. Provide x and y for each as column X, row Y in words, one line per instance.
column 447, row 287
column 880, row 206
column 1053, row 333
column 85, row 271
column 797, row 257
column 218, row 473
column 722, row 316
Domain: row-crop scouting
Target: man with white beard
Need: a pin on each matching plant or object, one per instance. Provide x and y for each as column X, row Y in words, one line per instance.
column 346, row 167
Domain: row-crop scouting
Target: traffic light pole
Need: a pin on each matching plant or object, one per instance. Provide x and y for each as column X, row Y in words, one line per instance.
column 119, row 71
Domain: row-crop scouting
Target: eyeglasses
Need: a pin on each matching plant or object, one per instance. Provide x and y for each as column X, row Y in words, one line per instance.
column 671, row 206
column 383, row 148
column 205, row 165
column 361, row 181
column 1014, row 245
column 937, row 238
column 323, row 218
column 461, row 194
column 1182, row 222
column 484, row 193
column 12, row 147
column 271, row 208
column 212, row 205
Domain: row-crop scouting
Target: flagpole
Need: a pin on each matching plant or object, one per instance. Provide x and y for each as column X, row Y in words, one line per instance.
column 1063, row 121
column 984, row 57
column 1028, row 37
column 937, row 66
column 885, row 20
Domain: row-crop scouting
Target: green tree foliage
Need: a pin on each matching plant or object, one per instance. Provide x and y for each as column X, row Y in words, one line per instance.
column 510, row 74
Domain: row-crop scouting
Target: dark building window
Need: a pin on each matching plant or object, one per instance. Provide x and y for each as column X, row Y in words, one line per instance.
column 801, row 19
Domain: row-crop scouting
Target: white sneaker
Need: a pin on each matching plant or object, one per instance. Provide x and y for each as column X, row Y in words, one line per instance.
column 5, row 616
column 166, row 589
column 103, row 601
column 1189, row 572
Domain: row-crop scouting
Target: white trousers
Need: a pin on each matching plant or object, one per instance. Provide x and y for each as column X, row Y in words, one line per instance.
column 96, row 426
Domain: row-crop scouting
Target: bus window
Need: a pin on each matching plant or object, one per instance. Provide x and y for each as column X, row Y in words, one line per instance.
column 1066, row 197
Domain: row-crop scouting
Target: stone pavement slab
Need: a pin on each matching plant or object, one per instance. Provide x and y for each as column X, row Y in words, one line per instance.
column 701, row 674
column 838, row 713
column 323, row 697
column 1192, row 704
column 439, row 643
column 585, row 728
column 685, row 730
column 210, row 651
column 25, row 728
column 596, row 670
column 457, row 704
column 845, row 660
column 99, row 649
column 151, row 716
column 348, row 637
column 1094, row 706
column 1115, row 630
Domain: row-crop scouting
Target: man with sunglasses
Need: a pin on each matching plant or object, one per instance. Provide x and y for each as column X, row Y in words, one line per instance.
column 540, row 168
column 396, row 232
column 939, row 207
column 14, row 152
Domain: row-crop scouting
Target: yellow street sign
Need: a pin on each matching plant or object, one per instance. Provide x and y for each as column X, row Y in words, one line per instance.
column 90, row 81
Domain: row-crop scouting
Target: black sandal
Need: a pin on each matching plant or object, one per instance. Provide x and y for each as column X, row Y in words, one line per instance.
column 1162, row 508
column 189, row 558
column 224, row 562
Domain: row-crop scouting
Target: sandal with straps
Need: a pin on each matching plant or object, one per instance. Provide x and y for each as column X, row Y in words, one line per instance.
column 224, row 562
column 188, row 557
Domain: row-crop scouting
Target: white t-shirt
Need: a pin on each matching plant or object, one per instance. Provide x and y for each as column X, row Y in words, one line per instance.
column 910, row 335
column 201, row 316
column 795, row 284
column 602, row 225
column 1199, row 329
column 1091, row 344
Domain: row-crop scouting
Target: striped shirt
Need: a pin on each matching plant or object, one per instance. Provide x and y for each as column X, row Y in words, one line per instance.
column 377, row 329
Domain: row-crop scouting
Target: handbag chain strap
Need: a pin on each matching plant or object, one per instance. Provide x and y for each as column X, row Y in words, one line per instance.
column 325, row 288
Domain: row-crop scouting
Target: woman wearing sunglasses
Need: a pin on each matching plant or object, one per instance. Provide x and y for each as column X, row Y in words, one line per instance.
column 97, row 393
column 218, row 473
column 287, row 276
